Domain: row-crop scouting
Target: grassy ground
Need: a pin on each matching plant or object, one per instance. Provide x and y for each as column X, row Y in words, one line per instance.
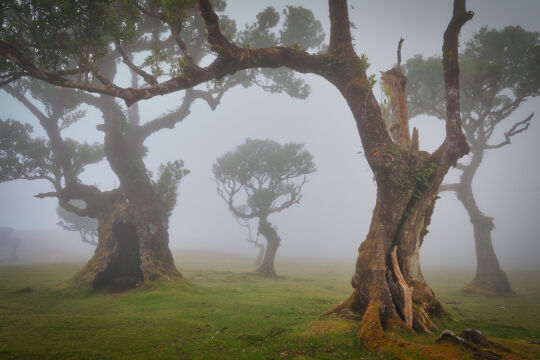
column 221, row 312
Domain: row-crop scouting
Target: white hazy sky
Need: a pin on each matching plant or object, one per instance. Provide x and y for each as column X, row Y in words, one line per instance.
column 335, row 212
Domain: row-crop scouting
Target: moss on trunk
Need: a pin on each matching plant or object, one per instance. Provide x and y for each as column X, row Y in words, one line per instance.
column 132, row 250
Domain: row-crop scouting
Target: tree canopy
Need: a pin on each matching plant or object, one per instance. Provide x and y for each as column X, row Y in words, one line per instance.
column 270, row 175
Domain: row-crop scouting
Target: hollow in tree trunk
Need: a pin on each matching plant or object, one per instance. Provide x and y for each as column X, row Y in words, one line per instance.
column 133, row 249
column 133, row 231
column 272, row 243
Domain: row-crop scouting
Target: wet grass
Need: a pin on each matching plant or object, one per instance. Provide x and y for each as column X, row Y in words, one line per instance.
column 220, row 314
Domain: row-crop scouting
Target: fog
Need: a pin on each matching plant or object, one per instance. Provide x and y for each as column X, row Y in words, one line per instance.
column 333, row 216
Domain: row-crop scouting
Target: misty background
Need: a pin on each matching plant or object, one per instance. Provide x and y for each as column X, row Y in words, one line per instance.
column 333, row 216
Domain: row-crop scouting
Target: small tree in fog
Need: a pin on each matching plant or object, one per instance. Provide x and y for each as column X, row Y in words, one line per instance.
column 85, row 226
column 269, row 177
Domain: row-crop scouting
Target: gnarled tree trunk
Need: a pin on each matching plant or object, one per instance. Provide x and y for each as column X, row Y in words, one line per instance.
column 133, row 231
column 407, row 185
column 490, row 279
column 405, row 202
column 132, row 249
column 272, row 243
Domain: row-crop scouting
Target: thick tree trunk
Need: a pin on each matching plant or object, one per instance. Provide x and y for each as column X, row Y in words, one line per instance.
column 132, row 250
column 490, row 279
column 272, row 243
column 402, row 213
column 133, row 232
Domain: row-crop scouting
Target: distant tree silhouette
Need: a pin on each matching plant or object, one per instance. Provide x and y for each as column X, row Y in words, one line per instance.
column 85, row 226
column 271, row 177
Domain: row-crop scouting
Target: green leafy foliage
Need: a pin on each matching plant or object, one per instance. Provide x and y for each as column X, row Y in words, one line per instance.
column 21, row 156
column 155, row 60
column 82, row 154
column 166, row 185
column 176, row 11
column 300, row 27
column 68, row 32
column 266, row 171
column 25, row 157
column 300, row 30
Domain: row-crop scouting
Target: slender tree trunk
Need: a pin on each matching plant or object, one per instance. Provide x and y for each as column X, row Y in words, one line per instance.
column 272, row 243
column 490, row 279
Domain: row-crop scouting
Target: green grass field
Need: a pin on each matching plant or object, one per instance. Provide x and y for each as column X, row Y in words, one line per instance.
column 221, row 312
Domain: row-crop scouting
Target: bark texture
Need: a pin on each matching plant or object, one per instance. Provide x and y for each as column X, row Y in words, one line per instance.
column 407, row 186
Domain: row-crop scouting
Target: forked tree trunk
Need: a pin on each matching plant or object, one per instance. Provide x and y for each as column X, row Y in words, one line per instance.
column 407, row 186
column 272, row 243
column 490, row 279
column 405, row 202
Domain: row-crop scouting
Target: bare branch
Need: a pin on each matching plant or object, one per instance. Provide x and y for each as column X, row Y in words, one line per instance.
column 455, row 144
column 176, row 34
column 401, row 40
column 518, row 128
column 449, row 187
column 125, row 58
column 168, row 120
column 46, row 195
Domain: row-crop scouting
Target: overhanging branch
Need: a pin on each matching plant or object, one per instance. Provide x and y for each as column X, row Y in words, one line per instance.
column 519, row 127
